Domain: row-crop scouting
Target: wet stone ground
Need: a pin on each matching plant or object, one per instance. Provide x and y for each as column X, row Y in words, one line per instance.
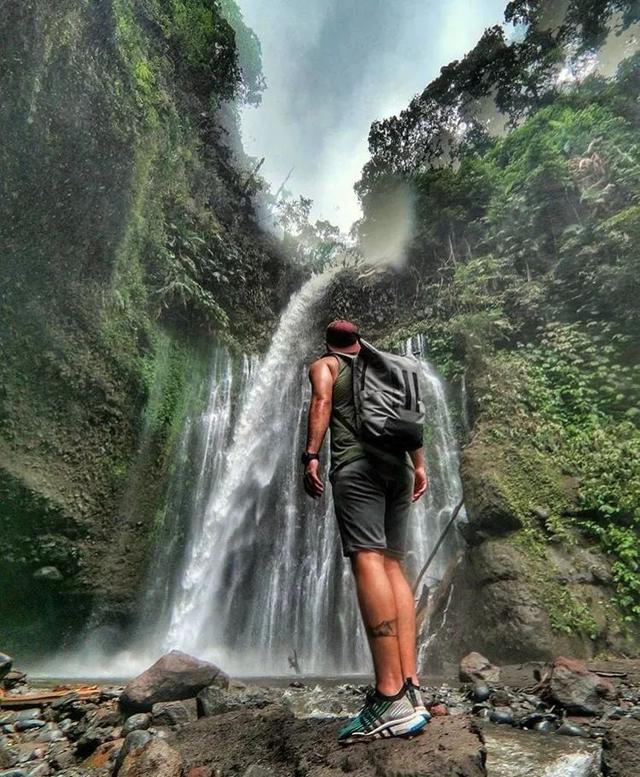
column 478, row 728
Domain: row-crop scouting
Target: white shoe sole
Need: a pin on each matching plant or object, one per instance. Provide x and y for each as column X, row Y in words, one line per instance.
column 402, row 727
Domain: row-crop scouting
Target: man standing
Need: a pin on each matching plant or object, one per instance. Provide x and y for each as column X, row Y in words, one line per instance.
column 372, row 492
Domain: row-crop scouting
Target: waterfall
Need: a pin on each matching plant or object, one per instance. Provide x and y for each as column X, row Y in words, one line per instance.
column 262, row 574
column 431, row 514
column 247, row 568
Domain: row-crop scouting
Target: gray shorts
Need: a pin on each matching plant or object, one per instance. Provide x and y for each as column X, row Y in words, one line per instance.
column 372, row 506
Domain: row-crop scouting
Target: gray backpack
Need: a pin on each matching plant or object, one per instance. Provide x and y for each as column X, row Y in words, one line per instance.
column 386, row 392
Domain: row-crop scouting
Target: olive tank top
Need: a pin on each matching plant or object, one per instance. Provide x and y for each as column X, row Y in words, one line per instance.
column 345, row 446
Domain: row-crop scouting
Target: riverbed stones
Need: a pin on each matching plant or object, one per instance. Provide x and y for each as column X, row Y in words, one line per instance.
column 215, row 701
column 574, row 687
column 173, row 677
column 569, row 729
column 501, row 715
column 13, row 716
column 13, row 679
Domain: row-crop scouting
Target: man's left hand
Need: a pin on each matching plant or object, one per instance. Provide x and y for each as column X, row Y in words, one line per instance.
column 420, row 483
column 313, row 485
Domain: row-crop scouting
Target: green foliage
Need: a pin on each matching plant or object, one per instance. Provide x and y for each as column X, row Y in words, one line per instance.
column 563, row 400
column 524, row 273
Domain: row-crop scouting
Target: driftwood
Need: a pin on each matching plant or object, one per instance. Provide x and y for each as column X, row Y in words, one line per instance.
column 59, row 692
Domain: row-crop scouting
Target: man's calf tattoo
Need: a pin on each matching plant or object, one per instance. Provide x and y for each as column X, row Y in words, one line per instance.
column 383, row 629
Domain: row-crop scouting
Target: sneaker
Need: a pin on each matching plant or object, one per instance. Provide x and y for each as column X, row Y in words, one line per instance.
column 415, row 697
column 381, row 717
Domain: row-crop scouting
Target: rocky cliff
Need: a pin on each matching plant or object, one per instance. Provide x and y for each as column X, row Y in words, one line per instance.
column 128, row 237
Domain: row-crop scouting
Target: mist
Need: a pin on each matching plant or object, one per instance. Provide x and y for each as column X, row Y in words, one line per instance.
column 334, row 67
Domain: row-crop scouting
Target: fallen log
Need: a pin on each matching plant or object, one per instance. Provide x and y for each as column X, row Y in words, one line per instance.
column 83, row 692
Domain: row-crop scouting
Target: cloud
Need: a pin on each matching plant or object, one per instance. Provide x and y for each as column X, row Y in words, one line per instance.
column 334, row 66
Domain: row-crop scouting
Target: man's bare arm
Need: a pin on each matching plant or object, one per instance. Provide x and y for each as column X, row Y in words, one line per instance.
column 320, row 407
column 421, row 481
column 321, row 379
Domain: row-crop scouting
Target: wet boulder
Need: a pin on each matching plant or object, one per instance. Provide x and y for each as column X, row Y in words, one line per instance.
column 475, row 668
column 173, row 677
column 6, row 662
column 133, row 742
column 574, row 687
column 137, row 722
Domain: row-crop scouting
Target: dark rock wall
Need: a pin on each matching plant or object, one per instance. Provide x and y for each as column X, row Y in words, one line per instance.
column 126, row 237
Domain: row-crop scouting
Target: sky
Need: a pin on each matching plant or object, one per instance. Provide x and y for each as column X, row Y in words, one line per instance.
column 332, row 68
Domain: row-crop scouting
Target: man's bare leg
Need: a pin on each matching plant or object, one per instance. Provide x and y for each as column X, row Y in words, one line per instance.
column 406, row 617
column 379, row 613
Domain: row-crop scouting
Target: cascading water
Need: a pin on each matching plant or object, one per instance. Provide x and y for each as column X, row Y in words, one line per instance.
column 262, row 575
column 431, row 514
column 198, row 462
column 248, row 569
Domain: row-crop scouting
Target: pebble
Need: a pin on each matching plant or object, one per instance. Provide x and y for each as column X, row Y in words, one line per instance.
column 51, row 735
column 481, row 693
column 41, row 770
column 501, row 716
column 14, row 773
column 66, row 725
column 572, row 730
column 544, row 726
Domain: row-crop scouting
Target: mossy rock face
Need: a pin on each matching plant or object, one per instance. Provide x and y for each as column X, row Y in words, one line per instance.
column 488, row 509
column 131, row 246
column 40, row 560
column 512, row 607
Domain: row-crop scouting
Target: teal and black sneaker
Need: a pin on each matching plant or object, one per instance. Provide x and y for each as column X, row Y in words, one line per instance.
column 381, row 717
column 415, row 697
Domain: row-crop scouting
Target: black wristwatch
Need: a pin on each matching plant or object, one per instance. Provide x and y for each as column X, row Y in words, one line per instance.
column 307, row 457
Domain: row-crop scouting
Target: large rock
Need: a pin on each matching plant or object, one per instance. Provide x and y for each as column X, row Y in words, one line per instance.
column 6, row 662
column 282, row 745
column 578, row 690
column 133, row 742
column 155, row 759
column 173, row 677
column 475, row 667
column 498, row 600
